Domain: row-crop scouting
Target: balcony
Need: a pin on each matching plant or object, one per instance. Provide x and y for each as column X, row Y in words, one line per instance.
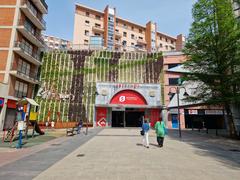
column 41, row 5
column 30, row 34
column 141, row 41
column 32, row 14
column 31, row 77
column 118, row 44
column 25, row 52
column 118, row 35
column 98, row 29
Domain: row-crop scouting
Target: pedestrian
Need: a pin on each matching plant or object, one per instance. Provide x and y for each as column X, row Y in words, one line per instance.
column 52, row 124
column 160, row 132
column 145, row 129
column 80, row 124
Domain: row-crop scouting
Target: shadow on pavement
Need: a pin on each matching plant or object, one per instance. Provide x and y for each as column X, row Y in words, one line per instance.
column 225, row 150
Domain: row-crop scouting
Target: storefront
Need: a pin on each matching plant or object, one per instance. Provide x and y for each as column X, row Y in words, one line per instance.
column 125, row 105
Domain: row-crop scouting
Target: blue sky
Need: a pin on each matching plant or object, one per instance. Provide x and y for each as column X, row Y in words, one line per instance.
column 173, row 17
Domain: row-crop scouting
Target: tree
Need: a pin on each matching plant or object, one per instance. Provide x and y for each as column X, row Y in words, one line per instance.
column 213, row 48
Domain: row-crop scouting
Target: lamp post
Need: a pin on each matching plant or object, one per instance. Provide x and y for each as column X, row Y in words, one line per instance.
column 177, row 90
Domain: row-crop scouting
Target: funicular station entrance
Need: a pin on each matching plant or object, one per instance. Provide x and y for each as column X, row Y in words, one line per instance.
column 126, row 105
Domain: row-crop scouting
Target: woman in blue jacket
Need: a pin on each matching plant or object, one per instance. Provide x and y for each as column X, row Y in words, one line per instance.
column 145, row 128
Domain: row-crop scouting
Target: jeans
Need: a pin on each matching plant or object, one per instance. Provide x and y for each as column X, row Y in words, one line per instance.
column 145, row 139
column 160, row 141
column 79, row 129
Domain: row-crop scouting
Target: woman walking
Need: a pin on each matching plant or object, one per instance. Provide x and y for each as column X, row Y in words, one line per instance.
column 160, row 131
column 145, row 129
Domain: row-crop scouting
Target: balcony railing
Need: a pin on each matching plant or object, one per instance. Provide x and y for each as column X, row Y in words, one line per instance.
column 44, row 3
column 32, row 75
column 34, row 11
column 31, row 30
column 25, row 48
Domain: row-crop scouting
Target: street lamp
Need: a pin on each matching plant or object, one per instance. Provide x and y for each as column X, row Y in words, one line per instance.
column 177, row 90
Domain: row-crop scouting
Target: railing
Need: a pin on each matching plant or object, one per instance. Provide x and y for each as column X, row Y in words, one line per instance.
column 31, row 30
column 32, row 75
column 34, row 11
column 118, row 47
column 44, row 4
column 28, row 50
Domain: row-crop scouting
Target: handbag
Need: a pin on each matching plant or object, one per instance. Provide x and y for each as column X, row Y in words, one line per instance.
column 142, row 132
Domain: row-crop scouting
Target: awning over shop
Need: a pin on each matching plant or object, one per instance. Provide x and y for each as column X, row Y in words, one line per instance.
column 32, row 102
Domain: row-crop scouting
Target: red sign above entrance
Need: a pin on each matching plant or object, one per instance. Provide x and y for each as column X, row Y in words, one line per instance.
column 128, row 97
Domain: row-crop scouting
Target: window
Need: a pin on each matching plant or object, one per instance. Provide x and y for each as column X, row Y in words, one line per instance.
column 125, row 26
column 86, row 42
column 132, row 28
column 98, row 17
column 140, row 30
column 86, row 33
column 166, row 39
column 173, row 81
column 23, row 67
column 140, row 37
column 160, row 37
column 124, row 43
column 87, row 14
column 87, row 22
column 124, row 34
column 172, row 66
column 166, row 47
column 132, row 36
column 21, row 89
column 132, row 44
column 116, row 30
column 97, row 25
column 172, row 42
column 97, row 34
column 160, row 45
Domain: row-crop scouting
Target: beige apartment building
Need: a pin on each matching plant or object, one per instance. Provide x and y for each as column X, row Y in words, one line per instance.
column 236, row 8
column 21, row 23
column 96, row 29
column 56, row 43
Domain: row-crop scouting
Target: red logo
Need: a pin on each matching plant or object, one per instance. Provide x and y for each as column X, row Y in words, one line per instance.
column 102, row 122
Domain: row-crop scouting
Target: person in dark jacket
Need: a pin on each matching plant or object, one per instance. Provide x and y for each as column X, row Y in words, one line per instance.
column 80, row 124
column 145, row 128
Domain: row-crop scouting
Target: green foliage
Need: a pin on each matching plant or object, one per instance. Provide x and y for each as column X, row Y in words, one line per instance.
column 213, row 48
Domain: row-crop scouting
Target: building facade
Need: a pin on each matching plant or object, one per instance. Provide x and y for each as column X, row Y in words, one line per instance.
column 55, row 43
column 104, row 29
column 21, row 24
column 105, row 88
column 236, row 8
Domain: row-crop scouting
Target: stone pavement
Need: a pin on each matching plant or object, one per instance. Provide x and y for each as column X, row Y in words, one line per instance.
column 117, row 154
column 27, row 163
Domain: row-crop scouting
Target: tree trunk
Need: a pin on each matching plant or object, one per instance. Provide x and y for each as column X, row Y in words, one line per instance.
column 231, row 126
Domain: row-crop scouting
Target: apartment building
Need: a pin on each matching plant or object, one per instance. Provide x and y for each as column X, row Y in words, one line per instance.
column 96, row 29
column 55, row 43
column 21, row 23
column 236, row 8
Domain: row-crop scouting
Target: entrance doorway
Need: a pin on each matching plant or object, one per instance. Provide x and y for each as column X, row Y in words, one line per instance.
column 134, row 118
column 117, row 118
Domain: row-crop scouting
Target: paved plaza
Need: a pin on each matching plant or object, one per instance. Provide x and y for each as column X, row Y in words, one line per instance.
column 112, row 154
